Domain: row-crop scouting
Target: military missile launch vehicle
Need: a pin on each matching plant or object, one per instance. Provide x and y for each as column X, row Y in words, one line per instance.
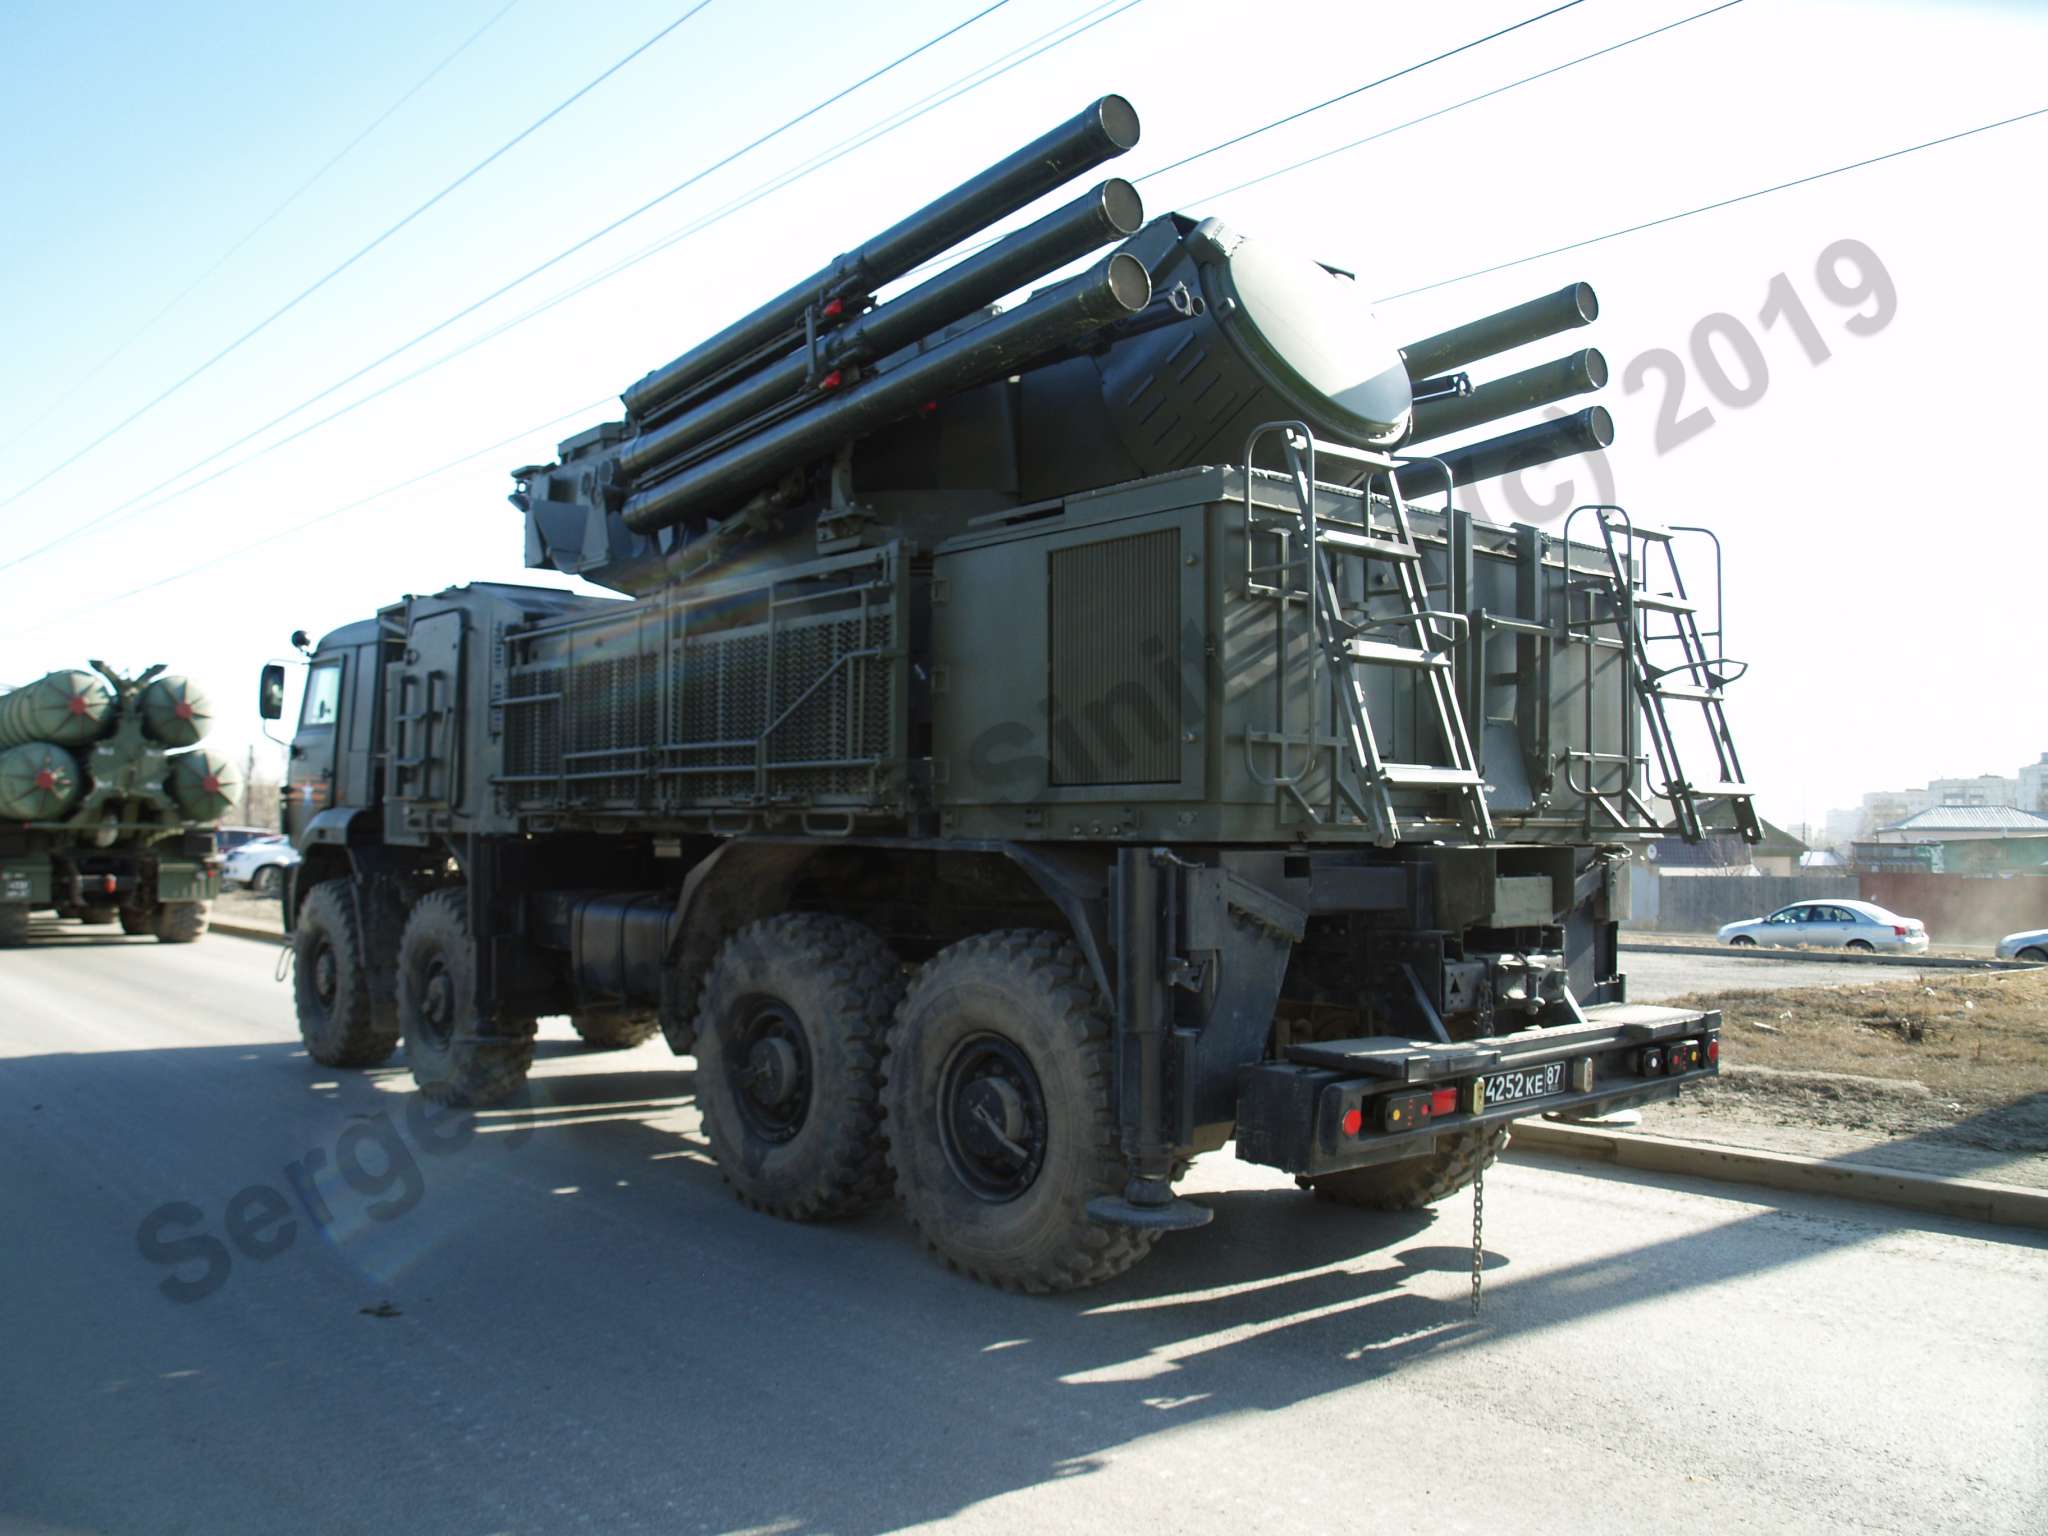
column 1035, row 746
column 108, row 803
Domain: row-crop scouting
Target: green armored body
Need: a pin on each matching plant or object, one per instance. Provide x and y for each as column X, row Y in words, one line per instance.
column 1035, row 745
column 107, row 805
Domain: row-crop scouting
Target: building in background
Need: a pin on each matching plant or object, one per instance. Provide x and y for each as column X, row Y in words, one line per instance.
column 1961, row 840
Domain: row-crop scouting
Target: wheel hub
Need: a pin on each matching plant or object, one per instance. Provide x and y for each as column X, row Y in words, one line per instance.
column 325, row 973
column 768, row 1062
column 992, row 1119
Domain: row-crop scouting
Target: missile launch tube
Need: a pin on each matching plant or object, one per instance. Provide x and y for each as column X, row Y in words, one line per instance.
column 1111, row 211
column 1106, row 129
column 1048, row 321
column 1588, row 431
column 1544, row 384
column 1565, row 310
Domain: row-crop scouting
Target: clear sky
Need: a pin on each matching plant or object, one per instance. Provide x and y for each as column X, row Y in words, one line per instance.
column 1875, row 484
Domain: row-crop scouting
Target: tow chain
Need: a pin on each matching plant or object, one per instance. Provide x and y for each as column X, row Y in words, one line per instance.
column 1478, row 1232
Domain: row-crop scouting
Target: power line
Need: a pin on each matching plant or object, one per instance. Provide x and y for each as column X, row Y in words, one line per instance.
column 1470, row 100
column 960, row 253
column 332, row 512
column 974, row 79
column 1726, row 202
column 560, row 256
column 1357, row 90
column 256, row 229
column 275, row 315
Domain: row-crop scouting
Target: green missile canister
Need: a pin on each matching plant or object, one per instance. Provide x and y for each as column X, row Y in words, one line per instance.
column 205, row 784
column 67, row 707
column 175, row 712
column 38, row 782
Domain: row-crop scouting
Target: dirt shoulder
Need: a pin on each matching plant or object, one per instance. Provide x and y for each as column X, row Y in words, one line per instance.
column 1945, row 1072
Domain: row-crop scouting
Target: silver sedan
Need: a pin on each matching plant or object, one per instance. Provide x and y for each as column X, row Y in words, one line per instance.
column 1857, row 925
column 2029, row 945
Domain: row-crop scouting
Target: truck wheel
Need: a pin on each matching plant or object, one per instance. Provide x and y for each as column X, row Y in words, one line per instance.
column 99, row 915
column 13, row 926
column 614, row 1029
column 180, row 922
column 437, row 1010
column 329, row 985
column 138, row 920
column 1002, row 1125
column 1415, row 1182
column 791, row 1027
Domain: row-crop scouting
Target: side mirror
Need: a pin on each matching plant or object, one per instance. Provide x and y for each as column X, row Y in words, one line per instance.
column 270, row 692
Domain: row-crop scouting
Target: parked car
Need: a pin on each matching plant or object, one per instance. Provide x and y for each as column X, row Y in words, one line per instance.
column 230, row 838
column 2030, row 944
column 260, row 864
column 1859, row 925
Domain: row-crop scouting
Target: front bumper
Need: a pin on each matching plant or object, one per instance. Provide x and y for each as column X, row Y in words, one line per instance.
column 1353, row 1103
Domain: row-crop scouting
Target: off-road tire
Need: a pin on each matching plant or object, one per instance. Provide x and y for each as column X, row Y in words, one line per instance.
column 833, row 984
column 615, row 1029
column 1414, row 1182
column 136, row 921
column 1029, row 990
column 265, row 881
column 448, row 1066
column 99, row 914
column 180, row 922
column 329, row 985
column 13, row 925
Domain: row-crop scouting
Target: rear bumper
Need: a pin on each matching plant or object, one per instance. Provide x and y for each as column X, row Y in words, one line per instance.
column 1350, row 1104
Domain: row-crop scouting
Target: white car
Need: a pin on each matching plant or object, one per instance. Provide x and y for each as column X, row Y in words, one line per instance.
column 1859, row 925
column 260, row 864
column 2032, row 944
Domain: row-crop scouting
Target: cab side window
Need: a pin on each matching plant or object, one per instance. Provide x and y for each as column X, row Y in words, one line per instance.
column 323, row 694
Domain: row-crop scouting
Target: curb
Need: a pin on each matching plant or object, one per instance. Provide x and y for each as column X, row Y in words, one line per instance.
column 245, row 931
column 1962, row 1199
column 1842, row 957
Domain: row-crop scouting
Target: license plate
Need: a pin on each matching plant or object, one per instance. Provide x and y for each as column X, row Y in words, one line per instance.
column 15, row 888
column 1524, row 1083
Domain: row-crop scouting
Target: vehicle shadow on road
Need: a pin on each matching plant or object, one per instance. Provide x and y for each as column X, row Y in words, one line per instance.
column 576, row 1257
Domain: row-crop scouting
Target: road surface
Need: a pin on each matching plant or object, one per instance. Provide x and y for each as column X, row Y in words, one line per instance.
column 1656, row 978
column 564, row 1323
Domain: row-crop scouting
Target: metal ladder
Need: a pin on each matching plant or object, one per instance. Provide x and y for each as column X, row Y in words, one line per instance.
column 1340, row 647
column 1686, row 675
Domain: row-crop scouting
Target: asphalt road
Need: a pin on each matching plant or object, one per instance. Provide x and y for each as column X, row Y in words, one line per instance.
column 1655, row 978
column 564, row 1323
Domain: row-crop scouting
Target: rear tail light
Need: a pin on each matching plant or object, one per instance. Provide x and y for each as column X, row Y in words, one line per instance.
column 109, row 884
column 1684, row 1056
column 1650, row 1062
column 1353, row 1122
column 1405, row 1111
column 1714, row 1051
column 1444, row 1102
column 1901, row 932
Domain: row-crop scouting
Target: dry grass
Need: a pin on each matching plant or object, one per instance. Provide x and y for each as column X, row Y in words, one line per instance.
column 1976, row 1038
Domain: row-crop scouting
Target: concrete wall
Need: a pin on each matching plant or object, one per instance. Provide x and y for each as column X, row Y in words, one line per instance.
column 1963, row 909
column 1957, row 909
column 1702, row 903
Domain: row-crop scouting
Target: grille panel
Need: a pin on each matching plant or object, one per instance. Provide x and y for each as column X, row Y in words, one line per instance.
column 1114, row 638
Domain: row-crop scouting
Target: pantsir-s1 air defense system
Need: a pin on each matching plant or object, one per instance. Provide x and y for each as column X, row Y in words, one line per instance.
column 108, row 803
column 1036, row 745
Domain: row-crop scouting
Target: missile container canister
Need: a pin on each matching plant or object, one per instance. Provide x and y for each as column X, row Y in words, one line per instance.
column 175, row 713
column 68, row 708
column 102, row 817
column 1071, row 683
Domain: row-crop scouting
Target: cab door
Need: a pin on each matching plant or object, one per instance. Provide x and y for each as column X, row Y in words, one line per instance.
column 309, row 768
